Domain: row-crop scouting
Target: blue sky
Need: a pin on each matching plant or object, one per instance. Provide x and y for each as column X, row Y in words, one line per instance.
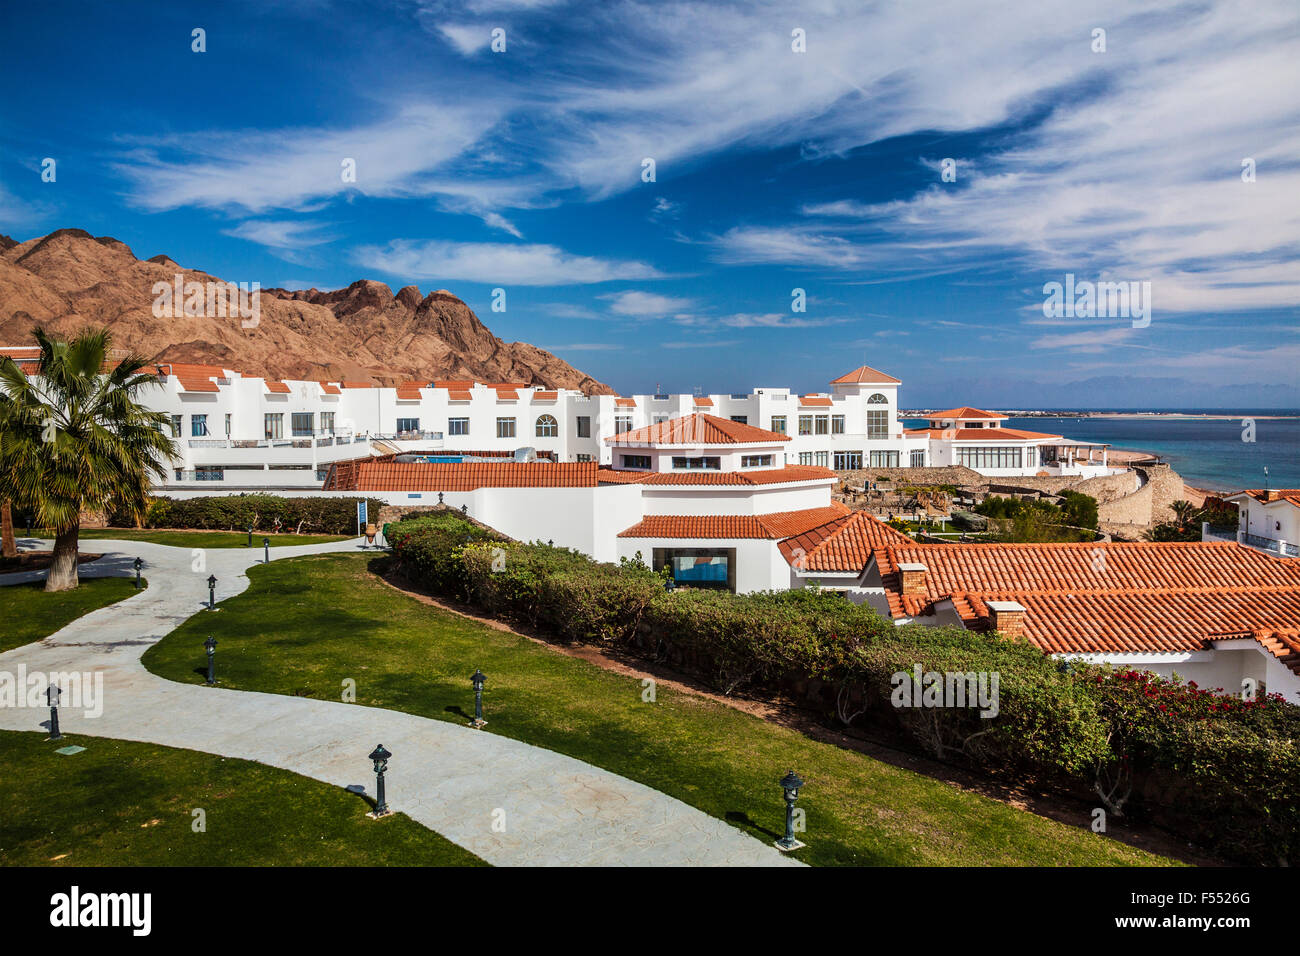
column 774, row 170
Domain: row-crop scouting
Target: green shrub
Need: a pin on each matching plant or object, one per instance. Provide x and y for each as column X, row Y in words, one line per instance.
column 312, row 515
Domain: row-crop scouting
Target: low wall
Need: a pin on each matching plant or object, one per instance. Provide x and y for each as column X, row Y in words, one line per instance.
column 950, row 475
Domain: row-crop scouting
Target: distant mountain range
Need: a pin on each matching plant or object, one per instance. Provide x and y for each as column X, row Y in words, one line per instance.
column 70, row 280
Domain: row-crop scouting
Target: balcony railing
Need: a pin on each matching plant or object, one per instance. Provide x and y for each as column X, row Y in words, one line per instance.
column 297, row 441
column 1272, row 545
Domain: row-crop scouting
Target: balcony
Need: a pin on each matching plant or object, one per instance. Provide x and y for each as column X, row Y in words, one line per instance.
column 1275, row 546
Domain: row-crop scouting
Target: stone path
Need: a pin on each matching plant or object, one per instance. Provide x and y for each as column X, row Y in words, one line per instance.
column 453, row 779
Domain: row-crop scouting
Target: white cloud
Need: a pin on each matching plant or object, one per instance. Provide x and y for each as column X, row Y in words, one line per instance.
column 494, row 263
column 280, row 234
column 467, row 39
column 646, row 304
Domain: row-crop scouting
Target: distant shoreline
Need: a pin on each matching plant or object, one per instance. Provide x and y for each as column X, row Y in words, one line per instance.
column 1024, row 413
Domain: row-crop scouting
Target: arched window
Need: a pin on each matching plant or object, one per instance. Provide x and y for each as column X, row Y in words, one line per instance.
column 547, row 427
column 877, row 399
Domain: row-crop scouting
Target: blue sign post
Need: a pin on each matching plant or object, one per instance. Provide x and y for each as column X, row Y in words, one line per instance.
column 361, row 516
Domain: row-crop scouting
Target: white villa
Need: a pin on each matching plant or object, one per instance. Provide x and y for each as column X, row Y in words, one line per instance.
column 241, row 432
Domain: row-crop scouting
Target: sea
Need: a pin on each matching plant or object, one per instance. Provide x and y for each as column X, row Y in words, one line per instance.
column 1212, row 453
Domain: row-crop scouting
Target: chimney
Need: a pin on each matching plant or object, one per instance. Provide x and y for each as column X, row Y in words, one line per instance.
column 1271, row 494
column 1007, row 617
column 913, row 577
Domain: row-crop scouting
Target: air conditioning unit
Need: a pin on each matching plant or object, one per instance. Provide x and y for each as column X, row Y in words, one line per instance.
column 525, row 454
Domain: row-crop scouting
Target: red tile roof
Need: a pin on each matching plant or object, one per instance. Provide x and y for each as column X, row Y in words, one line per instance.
column 1270, row 496
column 964, row 412
column 409, row 391
column 279, row 388
column 357, row 385
column 865, row 375
column 814, row 401
column 388, row 475
column 1105, row 597
column 545, row 396
column 625, row 402
column 1282, row 644
column 761, row 476
column 329, row 389
column 696, row 429
column 458, row 395
column 460, row 386
column 507, row 394
column 981, row 434
column 844, row 545
column 779, row 524
column 703, row 401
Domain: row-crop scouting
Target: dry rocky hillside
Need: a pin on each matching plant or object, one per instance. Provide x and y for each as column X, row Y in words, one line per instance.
column 70, row 280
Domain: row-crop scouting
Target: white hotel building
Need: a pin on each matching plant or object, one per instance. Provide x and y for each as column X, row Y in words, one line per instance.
column 240, row 432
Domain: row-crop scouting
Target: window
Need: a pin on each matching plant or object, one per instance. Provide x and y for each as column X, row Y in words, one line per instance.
column 698, row 567
column 918, row 459
column 709, row 463
column 458, row 426
column 403, row 425
column 582, row 457
column 805, row 424
column 884, row 459
column 755, row 461
column 805, row 458
column 989, row 457
column 584, row 426
column 198, row 425
column 848, row 460
column 823, row 425
column 622, row 423
column 274, row 424
column 740, row 419
column 822, row 458
column 227, row 424
column 322, row 474
column 210, row 473
column 877, row 425
column 972, row 424
column 302, row 424
column 877, row 399
column 837, row 424
column 176, row 426
column 636, row 461
column 778, row 424
column 547, row 426
column 660, row 417
column 327, row 422
column 505, row 428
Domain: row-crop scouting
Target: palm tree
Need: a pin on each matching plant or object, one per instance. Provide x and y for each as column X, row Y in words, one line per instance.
column 8, row 546
column 73, row 437
column 1184, row 511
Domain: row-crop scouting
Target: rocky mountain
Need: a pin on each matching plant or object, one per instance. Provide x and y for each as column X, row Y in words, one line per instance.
column 70, row 280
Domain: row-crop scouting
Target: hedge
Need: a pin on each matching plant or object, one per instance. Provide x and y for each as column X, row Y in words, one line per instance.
column 1223, row 771
column 312, row 515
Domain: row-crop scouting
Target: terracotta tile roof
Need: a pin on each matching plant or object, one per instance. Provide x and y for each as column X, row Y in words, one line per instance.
column 372, row 475
column 507, row 394
column 545, row 396
column 329, row 389
column 1282, row 644
column 279, row 388
column 459, row 386
column 458, row 395
column 762, row 476
column 180, row 369
column 409, row 391
column 1270, row 496
column 703, row 401
column 1105, row 597
column 981, row 434
column 357, row 385
column 696, row 429
column 779, row 524
column 964, row 412
column 625, row 402
column 865, row 375
column 26, row 357
column 814, row 401
column 844, row 545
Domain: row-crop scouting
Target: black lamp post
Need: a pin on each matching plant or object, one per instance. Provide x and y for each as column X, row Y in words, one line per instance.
column 52, row 697
column 464, row 509
column 139, row 563
column 478, row 678
column 210, row 645
column 266, row 549
column 440, row 497
column 212, row 592
column 380, row 756
column 250, row 534
column 790, row 783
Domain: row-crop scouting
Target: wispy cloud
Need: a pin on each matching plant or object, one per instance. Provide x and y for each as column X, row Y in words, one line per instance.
column 500, row 264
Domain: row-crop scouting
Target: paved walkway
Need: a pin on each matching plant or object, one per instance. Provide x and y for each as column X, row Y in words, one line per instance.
column 454, row 780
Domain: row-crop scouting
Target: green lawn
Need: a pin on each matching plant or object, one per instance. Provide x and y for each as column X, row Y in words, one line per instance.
column 307, row 624
column 29, row 614
column 121, row 803
column 205, row 539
